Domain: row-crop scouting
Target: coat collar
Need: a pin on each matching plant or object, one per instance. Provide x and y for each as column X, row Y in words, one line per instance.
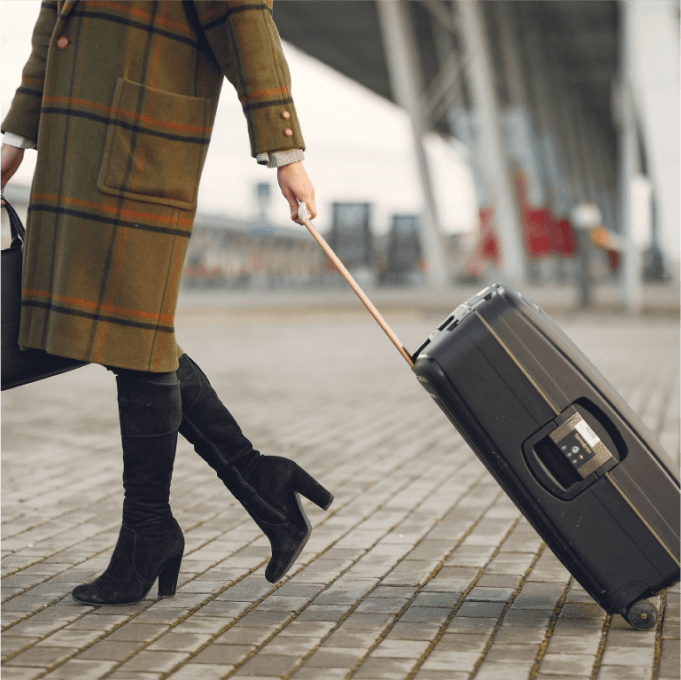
column 65, row 6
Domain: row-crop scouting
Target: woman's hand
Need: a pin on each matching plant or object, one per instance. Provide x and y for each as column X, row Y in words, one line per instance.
column 297, row 188
column 11, row 160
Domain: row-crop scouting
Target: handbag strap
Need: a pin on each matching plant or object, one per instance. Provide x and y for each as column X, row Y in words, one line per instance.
column 15, row 224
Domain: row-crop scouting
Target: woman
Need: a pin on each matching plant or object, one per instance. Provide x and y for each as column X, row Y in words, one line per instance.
column 119, row 100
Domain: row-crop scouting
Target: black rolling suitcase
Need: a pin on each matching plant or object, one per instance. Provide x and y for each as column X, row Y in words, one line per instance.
column 579, row 464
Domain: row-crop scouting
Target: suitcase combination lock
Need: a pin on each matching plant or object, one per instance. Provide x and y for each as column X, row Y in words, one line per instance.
column 580, row 445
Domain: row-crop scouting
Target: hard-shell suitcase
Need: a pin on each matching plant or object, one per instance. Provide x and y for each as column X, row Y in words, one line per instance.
column 576, row 460
column 562, row 443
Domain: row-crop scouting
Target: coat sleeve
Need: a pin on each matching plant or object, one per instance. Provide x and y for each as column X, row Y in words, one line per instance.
column 246, row 45
column 23, row 117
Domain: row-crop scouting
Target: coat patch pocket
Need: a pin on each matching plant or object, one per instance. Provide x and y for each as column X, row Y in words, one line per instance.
column 156, row 144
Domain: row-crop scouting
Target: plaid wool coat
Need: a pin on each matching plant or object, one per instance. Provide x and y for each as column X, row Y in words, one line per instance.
column 120, row 98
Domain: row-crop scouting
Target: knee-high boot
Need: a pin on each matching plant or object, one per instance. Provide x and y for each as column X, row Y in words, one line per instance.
column 150, row 543
column 267, row 486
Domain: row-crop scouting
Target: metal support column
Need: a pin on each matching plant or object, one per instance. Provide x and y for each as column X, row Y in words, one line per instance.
column 405, row 80
column 492, row 147
column 506, row 21
column 632, row 293
column 558, row 185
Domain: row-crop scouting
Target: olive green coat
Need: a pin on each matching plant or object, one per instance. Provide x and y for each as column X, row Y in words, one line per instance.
column 121, row 98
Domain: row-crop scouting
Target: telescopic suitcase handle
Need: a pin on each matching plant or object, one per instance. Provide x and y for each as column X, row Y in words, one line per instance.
column 304, row 217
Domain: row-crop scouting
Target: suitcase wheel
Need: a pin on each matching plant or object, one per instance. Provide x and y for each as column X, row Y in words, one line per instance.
column 641, row 615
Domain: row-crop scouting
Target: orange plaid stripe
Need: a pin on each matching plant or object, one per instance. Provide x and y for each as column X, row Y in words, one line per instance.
column 74, row 101
column 91, row 304
column 127, row 8
column 270, row 92
column 123, row 212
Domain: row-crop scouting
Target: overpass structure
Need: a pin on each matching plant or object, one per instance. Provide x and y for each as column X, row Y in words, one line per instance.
column 560, row 104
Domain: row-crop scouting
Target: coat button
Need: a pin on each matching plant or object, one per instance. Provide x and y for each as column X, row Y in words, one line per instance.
column 285, row 115
column 62, row 42
column 288, row 132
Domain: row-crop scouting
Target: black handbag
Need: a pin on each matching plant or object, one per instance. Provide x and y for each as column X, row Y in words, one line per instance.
column 20, row 367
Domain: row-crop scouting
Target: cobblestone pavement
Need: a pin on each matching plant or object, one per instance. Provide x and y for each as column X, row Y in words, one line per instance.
column 421, row 568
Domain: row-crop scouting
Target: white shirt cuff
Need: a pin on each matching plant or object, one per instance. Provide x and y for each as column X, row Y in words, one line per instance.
column 276, row 159
column 18, row 141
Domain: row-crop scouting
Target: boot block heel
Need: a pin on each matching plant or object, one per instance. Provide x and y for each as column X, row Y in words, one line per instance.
column 308, row 486
column 167, row 579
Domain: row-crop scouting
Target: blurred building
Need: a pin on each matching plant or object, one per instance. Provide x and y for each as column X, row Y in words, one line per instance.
column 228, row 253
column 559, row 103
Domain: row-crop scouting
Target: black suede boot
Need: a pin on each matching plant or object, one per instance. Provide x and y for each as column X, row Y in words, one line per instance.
column 267, row 486
column 150, row 543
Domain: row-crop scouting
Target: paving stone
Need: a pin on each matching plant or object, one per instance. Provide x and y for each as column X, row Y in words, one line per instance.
column 312, row 673
column 578, row 628
column 669, row 661
column 316, row 629
column 222, row 609
column 626, row 673
column 621, row 656
column 437, row 615
column 270, row 665
column 238, row 635
column 539, row 596
column 512, row 653
column 481, row 609
column 527, row 617
column 367, row 621
column 300, row 590
column 179, row 642
column 194, row 671
column 31, row 628
column 571, row 644
column 334, row 657
column 461, row 642
column 13, row 645
column 434, row 599
column 137, row 632
column 489, row 594
column 400, row 649
column 223, row 654
column 76, row 669
column 202, row 624
column 107, row 650
column 516, row 633
column 354, row 639
column 503, row 671
column 323, row 613
column 384, row 669
column 21, row 673
column 40, row 656
column 380, row 605
column 290, row 646
column 450, row 661
column 71, row 638
column 156, row 661
column 582, row 611
column 101, row 622
column 568, row 663
column 442, row 675
column 265, row 619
